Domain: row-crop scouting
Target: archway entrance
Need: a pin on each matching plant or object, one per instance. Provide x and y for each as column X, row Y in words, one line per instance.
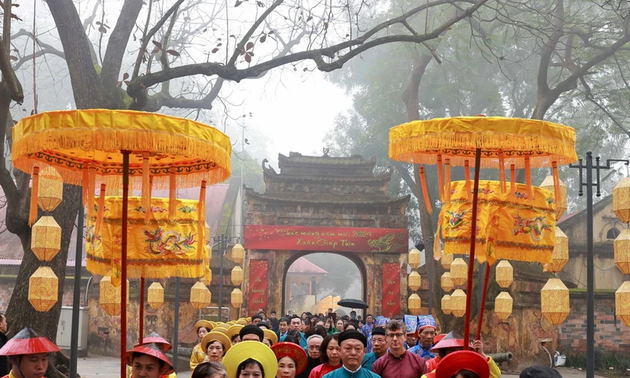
column 315, row 282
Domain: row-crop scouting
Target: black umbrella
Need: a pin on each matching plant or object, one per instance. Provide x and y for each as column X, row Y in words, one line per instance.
column 353, row 303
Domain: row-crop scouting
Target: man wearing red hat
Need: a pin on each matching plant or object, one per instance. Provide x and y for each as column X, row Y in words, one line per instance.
column 162, row 343
column 148, row 361
column 28, row 353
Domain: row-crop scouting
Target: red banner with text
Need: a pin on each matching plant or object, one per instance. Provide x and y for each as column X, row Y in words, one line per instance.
column 327, row 239
column 391, row 290
column 257, row 285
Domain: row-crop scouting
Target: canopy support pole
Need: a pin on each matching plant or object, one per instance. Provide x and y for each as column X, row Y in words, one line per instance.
column 76, row 297
column 482, row 306
column 141, row 328
column 471, row 262
column 123, row 269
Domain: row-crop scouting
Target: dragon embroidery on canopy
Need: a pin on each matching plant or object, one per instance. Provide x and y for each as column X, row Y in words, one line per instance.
column 532, row 227
column 160, row 242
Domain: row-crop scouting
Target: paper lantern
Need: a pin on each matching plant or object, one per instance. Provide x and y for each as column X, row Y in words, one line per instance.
column 446, row 282
column 554, row 301
column 238, row 254
column 561, row 204
column 621, row 200
column 42, row 289
column 446, row 260
column 155, row 295
column 414, row 281
column 414, row 304
column 504, row 274
column 503, row 304
column 237, row 275
column 560, row 253
column 458, row 303
column 414, row 258
column 236, row 298
column 446, row 304
column 459, row 272
column 200, row 296
column 622, row 303
column 622, row 251
column 50, row 191
column 109, row 296
column 46, row 238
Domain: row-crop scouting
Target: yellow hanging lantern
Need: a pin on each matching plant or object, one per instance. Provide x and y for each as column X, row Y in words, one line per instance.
column 200, row 296
column 621, row 200
column 554, row 301
column 446, row 260
column 503, row 304
column 459, row 272
column 560, row 253
column 46, row 238
column 414, row 281
column 622, row 303
column 238, row 254
column 561, row 204
column 237, row 275
column 414, row 258
column 155, row 295
column 622, row 251
column 414, row 304
column 236, row 298
column 446, row 304
column 458, row 303
column 43, row 289
column 109, row 296
column 446, row 282
column 504, row 274
column 50, row 193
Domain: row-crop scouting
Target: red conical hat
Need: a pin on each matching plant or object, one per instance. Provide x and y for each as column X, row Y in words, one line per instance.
column 294, row 352
column 449, row 341
column 27, row 341
column 152, row 350
column 463, row 359
column 153, row 337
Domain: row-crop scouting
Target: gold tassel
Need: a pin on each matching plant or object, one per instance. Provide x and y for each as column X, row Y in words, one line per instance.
column 440, row 174
column 101, row 209
column 149, row 209
column 556, row 182
column 146, row 183
column 512, row 179
column 32, row 214
column 201, row 216
column 86, row 183
column 91, row 190
column 467, row 176
column 172, row 194
column 528, row 180
column 447, row 180
column 502, row 172
column 437, row 250
column 425, row 191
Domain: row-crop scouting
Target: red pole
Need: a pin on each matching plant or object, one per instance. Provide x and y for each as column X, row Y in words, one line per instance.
column 141, row 328
column 483, row 300
column 123, row 269
column 473, row 237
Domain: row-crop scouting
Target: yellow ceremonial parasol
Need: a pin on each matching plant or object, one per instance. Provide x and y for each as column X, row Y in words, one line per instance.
column 493, row 142
column 113, row 145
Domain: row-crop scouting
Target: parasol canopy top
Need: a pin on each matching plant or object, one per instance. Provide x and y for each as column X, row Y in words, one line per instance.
column 74, row 140
column 458, row 138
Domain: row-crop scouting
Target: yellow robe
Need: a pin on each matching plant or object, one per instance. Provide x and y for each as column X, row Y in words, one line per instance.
column 495, row 372
column 197, row 357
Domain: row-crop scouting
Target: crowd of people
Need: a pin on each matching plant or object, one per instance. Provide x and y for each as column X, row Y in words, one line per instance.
column 295, row 347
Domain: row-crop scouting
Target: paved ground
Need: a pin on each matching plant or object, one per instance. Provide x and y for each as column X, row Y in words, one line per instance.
column 108, row 367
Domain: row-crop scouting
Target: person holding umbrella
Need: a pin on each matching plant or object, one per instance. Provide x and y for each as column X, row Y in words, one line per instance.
column 28, row 354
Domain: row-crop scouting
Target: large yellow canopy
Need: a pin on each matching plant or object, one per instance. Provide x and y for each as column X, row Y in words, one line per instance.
column 71, row 140
column 458, row 138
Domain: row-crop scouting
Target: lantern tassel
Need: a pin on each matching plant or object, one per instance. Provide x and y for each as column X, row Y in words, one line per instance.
column 32, row 214
column 91, row 189
column 146, row 183
column 172, row 194
column 425, row 191
column 502, row 171
column 86, row 184
column 556, row 182
column 440, row 174
column 512, row 179
column 467, row 177
column 447, row 180
column 100, row 211
column 201, row 216
column 149, row 209
column 528, row 180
